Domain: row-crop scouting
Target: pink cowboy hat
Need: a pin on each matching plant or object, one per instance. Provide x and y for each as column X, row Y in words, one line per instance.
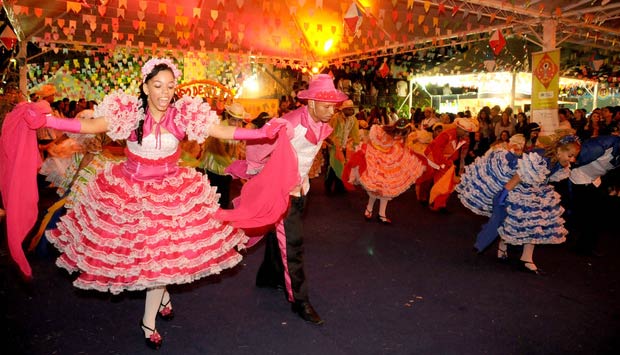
column 322, row 88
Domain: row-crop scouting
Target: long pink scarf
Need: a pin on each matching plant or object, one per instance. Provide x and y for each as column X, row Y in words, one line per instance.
column 19, row 162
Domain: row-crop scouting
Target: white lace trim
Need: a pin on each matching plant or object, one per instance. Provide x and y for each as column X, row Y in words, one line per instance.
column 563, row 173
column 201, row 245
column 483, row 179
column 534, row 216
column 195, row 117
column 123, row 113
column 532, row 169
column 149, row 148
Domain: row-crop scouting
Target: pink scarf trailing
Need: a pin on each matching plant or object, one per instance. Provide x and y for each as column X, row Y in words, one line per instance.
column 264, row 198
column 19, row 162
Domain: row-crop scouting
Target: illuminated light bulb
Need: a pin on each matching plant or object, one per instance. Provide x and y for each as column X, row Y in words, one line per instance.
column 251, row 83
column 328, row 45
column 315, row 70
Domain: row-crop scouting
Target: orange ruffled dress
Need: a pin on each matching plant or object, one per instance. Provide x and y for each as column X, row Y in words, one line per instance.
column 391, row 168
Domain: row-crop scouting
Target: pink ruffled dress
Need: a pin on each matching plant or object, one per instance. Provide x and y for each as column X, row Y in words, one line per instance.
column 391, row 168
column 147, row 222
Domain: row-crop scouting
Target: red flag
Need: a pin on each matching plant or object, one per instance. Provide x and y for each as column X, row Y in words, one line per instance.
column 497, row 42
column 384, row 70
column 353, row 18
column 8, row 37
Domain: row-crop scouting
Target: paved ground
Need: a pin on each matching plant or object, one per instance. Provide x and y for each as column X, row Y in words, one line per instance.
column 414, row 287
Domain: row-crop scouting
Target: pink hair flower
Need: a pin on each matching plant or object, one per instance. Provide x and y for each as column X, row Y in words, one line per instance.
column 148, row 67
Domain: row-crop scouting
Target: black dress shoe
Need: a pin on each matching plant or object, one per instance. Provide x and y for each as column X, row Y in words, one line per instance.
column 154, row 340
column 523, row 266
column 274, row 285
column 305, row 310
column 165, row 311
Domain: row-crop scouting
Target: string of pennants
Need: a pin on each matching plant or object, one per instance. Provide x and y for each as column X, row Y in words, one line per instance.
column 92, row 21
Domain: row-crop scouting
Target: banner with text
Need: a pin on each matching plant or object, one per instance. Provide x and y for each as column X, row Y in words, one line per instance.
column 545, row 89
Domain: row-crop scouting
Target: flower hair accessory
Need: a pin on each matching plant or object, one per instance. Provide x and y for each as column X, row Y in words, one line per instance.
column 148, row 67
column 570, row 138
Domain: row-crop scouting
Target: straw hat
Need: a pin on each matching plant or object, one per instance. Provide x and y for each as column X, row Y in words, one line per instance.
column 517, row 139
column 236, row 110
column 347, row 104
column 321, row 88
column 467, row 124
column 46, row 90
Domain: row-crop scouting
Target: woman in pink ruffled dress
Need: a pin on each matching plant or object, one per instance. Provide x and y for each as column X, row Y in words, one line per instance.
column 146, row 222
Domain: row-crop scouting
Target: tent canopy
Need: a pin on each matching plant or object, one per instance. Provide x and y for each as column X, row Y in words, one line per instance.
column 305, row 31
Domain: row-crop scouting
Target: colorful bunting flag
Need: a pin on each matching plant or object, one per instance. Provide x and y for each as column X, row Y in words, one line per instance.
column 353, row 18
column 497, row 42
column 8, row 37
column 384, row 69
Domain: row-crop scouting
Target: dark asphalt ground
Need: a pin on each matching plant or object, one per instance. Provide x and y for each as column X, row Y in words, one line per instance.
column 414, row 287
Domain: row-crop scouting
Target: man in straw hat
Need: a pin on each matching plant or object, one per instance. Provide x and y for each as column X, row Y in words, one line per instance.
column 47, row 93
column 309, row 126
column 440, row 154
column 218, row 154
column 345, row 138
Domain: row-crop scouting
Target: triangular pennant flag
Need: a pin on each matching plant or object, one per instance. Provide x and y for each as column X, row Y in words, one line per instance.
column 384, row 70
column 8, row 37
column 497, row 42
column 353, row 18
column 489, row 65
column 76, row 7
column 442, row 9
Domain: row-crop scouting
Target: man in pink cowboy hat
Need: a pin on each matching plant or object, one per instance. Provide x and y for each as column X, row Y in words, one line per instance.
column 307, row 127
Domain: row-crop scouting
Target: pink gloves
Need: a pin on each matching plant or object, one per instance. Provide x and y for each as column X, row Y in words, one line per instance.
column 268, row 131
column 67, row 125
column 38, row 116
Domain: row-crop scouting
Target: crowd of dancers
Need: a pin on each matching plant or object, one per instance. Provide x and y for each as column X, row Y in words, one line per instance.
column 155, row 210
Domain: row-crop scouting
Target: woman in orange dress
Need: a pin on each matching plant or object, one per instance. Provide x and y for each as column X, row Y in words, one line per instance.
column 391, row 167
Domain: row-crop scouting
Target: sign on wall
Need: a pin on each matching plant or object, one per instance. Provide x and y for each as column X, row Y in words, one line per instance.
column 545, row 89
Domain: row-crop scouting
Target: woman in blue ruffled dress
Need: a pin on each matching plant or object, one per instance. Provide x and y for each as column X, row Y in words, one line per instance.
column 514, row 191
